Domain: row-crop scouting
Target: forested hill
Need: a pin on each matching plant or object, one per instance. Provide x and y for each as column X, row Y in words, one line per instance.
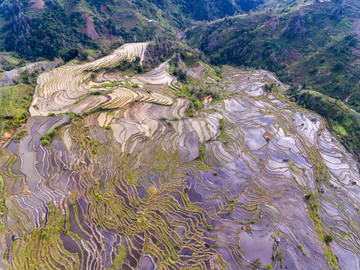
column 315, row 46
column 37, row 28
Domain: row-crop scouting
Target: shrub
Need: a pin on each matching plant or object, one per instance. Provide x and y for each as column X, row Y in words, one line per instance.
column 95, row 93
column 222, row 125
column 51, row 133
column 45, row 234
column 328, row 239
column 45, row 143
column 71, row 115
column 45, row 139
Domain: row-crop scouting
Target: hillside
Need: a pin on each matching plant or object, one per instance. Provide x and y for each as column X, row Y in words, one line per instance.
column 315, row 47
column 304, row 47
column 167, row 134
column 48, row 29
column 116, row 175
column 43, row 29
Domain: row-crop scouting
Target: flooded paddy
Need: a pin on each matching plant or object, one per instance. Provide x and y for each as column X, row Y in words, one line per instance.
column 125, row 189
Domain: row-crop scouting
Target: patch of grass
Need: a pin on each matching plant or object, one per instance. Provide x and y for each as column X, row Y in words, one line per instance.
column 118, row 262
column 222, row 125
column 14, row 105
column 202, row 150
column 316, row 219
column 302, row 249
column 20, row 134
column 71, row 115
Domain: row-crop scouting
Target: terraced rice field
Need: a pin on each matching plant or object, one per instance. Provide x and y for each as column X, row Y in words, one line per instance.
column 8, row 77
column 54, row 95
column 145, row 187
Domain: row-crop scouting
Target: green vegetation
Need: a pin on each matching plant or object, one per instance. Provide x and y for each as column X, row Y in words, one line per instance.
column 306, row 47
column 302, row 249
column 14, row 104
column 222, row 125
column 57, row 29
column 119, row 259
column 126, row 66
column 71, row 115
column 328, row 239
column 29, row 78
column 341, row 119
column 196, row 90
column 202, row 150
column 96, row 93
column 47, row 237
column 316, row 219
column 46, row 139
column 47, row 35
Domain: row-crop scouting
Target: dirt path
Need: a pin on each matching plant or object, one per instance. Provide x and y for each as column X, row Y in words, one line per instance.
column 347, row 99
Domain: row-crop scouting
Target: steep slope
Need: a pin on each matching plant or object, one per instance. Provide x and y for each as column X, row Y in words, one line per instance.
column 315, row 47
column 55, row 96
column 50, row 28
column 140, row 185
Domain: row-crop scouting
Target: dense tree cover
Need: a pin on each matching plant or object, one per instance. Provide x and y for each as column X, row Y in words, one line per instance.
column 305, row 47
column 60, row 25
column 43, row 36
column 180, row 12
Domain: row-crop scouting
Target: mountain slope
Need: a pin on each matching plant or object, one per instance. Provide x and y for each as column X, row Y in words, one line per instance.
column 146, row 156
column 45, row 28
column 139, row 185
column 314, row 47
column 307, row 46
